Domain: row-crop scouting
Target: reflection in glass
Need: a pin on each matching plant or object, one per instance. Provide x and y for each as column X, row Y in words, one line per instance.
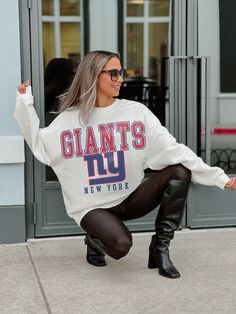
column 70, row 42
column 158, row 48
column 135, row 7
column 58, row 76
column 61, row 54
column 159, row 7
column 47, row 7
column 57, row 79
column 144, row 82
column 69, row 7
column 48, row 41
column 70, row 39
column 135, row 49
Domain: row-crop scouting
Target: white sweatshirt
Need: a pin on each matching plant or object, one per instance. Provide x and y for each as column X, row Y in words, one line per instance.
column 100, row 164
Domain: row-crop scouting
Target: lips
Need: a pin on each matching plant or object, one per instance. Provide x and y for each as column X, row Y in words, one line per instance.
column 116, row 87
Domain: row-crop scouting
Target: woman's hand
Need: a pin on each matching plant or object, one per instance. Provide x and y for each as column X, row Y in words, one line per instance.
column 231, row 184
column 22, row 87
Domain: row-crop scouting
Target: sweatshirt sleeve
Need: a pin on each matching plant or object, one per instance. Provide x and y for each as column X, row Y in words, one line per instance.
column 163, row 150
column 28, row 123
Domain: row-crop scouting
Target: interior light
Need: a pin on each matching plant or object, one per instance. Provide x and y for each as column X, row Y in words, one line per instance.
column 135, row 1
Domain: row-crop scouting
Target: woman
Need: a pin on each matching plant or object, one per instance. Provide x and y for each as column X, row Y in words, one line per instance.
column 99, row 147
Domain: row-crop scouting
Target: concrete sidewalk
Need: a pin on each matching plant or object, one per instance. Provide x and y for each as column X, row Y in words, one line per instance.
column 52, row 276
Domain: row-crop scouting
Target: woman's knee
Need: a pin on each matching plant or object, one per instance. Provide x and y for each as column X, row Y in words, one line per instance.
column 179, row 172
column 121, row 247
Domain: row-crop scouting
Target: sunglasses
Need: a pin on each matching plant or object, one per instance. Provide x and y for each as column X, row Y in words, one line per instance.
column 115, row 74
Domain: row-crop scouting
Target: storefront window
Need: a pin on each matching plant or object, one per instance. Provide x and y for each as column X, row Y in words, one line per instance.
column 47, row 7
column 48, row 41
column 69, row 7
column 61, row 24
column 135, row 49
column 158, row 49
column 70, row 45
column 147, row 36
column 135, row 7
column 159, row 7
column 61, row 30
column 146, row 46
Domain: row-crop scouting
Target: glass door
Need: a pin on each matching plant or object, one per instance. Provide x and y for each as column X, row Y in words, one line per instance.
column 210, row 206
column 147, row 27
column 61, row 38
column 57, row 47
column 146, row 48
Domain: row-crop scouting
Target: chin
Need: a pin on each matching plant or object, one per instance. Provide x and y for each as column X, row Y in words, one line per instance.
column 116, row 94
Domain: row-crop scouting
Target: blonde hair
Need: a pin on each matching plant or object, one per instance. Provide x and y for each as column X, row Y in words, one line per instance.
column 82, row 93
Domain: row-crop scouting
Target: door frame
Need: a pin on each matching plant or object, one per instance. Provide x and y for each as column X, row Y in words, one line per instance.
column 26, row 73
column 32, row 69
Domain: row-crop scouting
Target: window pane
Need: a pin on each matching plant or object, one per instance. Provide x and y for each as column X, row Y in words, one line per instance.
column 135, row 7
column 158, row 48
column 48, row 41
column 60, row 64
column 70, row 41
column 70, row 7
column 159, row 7
column 135, row 49
column 47, row 7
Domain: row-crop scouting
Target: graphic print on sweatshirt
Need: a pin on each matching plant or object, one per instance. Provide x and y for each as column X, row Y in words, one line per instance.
column 103, row 151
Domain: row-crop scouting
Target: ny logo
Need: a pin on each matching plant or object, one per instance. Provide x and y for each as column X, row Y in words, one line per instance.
column 114, row 171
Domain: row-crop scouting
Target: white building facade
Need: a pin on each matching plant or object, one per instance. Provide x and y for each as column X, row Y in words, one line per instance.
column 180, row 52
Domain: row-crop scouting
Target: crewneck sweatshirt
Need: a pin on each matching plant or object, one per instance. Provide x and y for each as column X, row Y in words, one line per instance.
column 100, row 164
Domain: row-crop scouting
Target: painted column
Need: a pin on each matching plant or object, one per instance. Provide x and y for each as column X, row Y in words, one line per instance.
column 12, row 213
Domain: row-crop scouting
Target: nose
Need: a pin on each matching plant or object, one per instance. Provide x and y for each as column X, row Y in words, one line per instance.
column 120, row 79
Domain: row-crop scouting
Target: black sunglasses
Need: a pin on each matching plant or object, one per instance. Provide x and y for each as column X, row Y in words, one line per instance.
column 115, row 74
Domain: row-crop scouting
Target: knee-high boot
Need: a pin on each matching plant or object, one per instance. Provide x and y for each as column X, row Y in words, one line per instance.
column 95, row 251
column 168, row 220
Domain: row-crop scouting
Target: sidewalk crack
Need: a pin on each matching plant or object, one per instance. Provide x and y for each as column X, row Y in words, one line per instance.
column 39, row 282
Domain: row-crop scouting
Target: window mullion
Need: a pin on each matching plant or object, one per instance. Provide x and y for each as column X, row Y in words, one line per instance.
column 125, row 35
column 145, row 39
column 81, row 30
column 57, row 28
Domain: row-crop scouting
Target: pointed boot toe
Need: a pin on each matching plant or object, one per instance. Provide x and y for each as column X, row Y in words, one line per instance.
column 162, row 261
column 171, row 272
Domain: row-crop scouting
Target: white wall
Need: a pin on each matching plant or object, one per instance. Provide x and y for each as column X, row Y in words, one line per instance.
column 11, row 143
column 103, row 25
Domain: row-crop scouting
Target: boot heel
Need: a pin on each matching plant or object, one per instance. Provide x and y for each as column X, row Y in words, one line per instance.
column 151, row 262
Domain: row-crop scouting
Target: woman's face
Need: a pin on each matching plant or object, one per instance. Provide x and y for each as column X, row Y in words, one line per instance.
column 107, row 88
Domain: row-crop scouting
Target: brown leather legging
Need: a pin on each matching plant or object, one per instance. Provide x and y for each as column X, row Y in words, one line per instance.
column 107, row 224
